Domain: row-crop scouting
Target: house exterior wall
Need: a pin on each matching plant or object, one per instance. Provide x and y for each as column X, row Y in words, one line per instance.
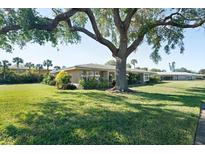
column 107, row 75
column 178, row 77
column 75, row 75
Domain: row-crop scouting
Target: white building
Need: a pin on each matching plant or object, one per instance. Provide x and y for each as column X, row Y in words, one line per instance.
column 180, row 76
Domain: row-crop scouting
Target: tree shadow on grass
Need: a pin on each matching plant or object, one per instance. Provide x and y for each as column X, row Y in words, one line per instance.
column 197, row 90
column 189, row 99
column 146, row 84
column 55, row 123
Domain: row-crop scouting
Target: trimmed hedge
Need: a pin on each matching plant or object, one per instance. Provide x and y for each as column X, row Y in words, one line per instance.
column 153, row 80
column 17, row 78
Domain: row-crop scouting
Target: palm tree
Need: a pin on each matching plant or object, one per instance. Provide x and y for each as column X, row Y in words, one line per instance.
column 29, row 65
column 47, row 63
column 172, row 66
column 133, row 62
column 18, row 61
column 39, row 67
column 5, row 65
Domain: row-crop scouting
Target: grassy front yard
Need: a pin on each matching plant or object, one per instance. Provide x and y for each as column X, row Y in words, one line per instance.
column 161, row 114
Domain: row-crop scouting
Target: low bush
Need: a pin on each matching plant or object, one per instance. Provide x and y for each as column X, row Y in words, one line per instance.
column 92, row 83
column 154, row 79
column 69, row 86
column 49, row 80
column 17, row 78
column 62, row 79
column 133, row 78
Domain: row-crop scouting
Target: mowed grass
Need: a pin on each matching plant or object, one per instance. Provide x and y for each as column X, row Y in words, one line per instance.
column 165, row 113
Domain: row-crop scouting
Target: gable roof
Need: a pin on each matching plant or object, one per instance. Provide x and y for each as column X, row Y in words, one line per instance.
column 92, row 66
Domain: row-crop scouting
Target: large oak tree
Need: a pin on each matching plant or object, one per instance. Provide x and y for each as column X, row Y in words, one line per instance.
column 120, row 30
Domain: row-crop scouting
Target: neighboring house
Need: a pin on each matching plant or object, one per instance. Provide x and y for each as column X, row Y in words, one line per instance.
column 180, row 76
column 105, row 72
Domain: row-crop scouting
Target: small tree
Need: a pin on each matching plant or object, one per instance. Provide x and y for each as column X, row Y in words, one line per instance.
column 128, row 65
column 155, row 70
column 29, row 66
column 18, row 61
column 57, row 67
column 47, row 63
column 5, row 65
column 62, row 78
column 39, row 67
column 202, row 71
column 111, row 62
column 134, row 62
column 172, row 66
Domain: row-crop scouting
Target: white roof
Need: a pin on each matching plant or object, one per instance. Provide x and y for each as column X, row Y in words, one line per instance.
column 179, row 73
column 106, row 67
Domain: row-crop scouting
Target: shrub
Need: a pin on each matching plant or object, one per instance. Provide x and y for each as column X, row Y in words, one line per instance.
column 62, row 79
column 154, row 79
column 49, row 80
column 16, row 78
column 69, row 86
column 92, row 83
column 103, row 85
column 133, row 78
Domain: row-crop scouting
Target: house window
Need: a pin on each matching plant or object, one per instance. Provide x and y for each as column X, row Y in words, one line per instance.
column 146, row 77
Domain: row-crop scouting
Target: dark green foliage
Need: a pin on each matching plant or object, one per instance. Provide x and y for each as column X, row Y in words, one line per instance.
column 47, row 63
column 92, row 83
column 57, row 67
column 29, row 65
column 133, row 78
column 65, row 79
column 202, row 71
column 18, row 61
column 128, row 65
column 16, row 78
column 156, row 70
column 153, row 80
column 69, row 86
column 111, row 62
column 183, row 69
column 49, row 80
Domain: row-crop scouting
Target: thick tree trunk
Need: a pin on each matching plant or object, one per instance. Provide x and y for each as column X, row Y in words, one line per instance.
column 121, row 78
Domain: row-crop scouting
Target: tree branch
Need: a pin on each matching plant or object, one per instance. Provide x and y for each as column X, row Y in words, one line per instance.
column 163, row 22
column 171, row 15
column 97, row 36
column 129, row 17
column 134, row 45
column 117, row 20
column 179, row 25
column 51, row 25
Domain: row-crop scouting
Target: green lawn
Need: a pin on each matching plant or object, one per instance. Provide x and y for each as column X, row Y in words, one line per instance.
column 165, row 113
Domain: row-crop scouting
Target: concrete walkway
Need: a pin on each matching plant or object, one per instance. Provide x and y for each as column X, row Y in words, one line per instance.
column 200, row 133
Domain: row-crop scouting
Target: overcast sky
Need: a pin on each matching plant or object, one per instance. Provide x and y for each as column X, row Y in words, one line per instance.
column 90, row 51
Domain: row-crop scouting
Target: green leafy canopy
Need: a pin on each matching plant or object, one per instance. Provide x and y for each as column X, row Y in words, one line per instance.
column 160, row 28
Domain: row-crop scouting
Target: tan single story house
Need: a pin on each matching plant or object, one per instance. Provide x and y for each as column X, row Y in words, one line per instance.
column 105, row 72
column 180, row 76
